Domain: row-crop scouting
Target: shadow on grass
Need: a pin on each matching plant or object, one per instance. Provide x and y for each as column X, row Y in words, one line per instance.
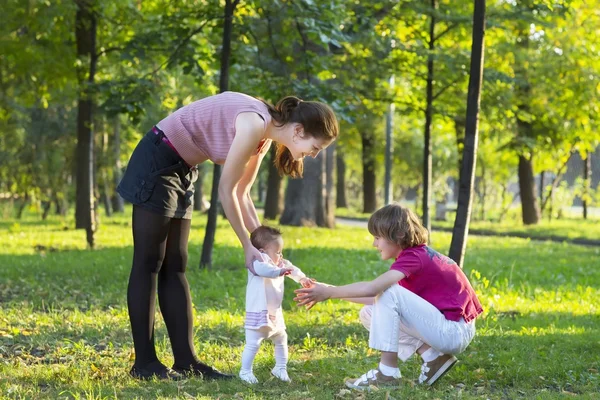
column 495, row 364
column 83, row 279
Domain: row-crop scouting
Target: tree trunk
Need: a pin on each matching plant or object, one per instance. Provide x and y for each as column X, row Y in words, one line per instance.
column 529, row 203
column 467, row 171
column 211, row 224
column 541, row 191
column 304, row 199
column 198, row 189
column 329, row 199
column 587, row 179
column 340, row 188
column 85, row 35
column 21, row 208
column 427, row 158
column 459, row 129
column 105, row 194
column 105, row 189
column 118, row 204
column 273, row 199
column 369, row 178
column 46, row 205
column 60, row 203
column 389, row 150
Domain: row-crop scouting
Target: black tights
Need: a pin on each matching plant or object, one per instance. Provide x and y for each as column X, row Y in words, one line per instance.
column 159, row 260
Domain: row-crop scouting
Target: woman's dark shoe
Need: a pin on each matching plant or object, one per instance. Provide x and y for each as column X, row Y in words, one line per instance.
column 155, row 370
column 202, row 370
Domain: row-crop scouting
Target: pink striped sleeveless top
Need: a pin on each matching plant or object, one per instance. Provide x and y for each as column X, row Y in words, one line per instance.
column 204, row 130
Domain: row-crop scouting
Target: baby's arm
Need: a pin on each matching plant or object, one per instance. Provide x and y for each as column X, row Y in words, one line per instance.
column 266, row 270
column 296, row 274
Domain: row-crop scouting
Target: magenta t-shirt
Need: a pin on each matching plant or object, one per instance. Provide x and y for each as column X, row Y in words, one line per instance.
column 438, row 279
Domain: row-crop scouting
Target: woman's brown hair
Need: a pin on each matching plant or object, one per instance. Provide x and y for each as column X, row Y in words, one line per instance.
column 318, row 121
column 399, row 225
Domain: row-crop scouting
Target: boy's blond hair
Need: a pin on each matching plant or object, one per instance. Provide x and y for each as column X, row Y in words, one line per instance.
column 263, row 235
column 398, row 225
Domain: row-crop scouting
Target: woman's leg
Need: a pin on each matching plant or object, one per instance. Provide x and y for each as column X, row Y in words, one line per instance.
column 174, row 294
column 150, row 232
column 176, row 302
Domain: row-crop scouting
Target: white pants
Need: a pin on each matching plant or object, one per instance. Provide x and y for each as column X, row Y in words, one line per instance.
column 400, row 321
column 254, row 338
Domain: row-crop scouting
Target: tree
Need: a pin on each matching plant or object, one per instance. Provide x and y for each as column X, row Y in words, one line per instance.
column 340, row 182
column 211, row 224
column 469, row 158
column 85, row 34
column 273, row 204
column 304, row 199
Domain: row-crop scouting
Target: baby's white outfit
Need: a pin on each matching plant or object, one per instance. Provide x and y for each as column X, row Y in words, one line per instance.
column 264, row 315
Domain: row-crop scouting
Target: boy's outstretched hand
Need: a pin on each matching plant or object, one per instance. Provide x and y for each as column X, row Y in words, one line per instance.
column 310, row 296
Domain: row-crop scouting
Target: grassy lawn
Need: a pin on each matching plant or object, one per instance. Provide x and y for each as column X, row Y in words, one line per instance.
column 569, row 228
column 64, row 329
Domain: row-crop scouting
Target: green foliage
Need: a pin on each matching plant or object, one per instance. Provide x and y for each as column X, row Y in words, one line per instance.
column 155, row 56
column 64, row 330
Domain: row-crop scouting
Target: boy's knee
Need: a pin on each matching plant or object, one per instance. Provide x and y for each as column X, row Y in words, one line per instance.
column 452, row 348
column 365, row 316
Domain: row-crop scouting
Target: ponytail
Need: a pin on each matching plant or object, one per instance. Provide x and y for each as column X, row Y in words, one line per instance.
column 283, row 112
column 318, row 121
column 285, row 163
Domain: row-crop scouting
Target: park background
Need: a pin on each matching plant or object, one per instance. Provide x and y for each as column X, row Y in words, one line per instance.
column 514, row 161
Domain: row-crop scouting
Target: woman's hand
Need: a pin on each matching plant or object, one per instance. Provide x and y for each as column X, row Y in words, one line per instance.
column 308, row 297
column 251, row 253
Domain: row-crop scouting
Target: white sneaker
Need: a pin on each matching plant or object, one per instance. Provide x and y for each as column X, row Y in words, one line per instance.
column 374, row 378
column 248, row 377
column 281, row 374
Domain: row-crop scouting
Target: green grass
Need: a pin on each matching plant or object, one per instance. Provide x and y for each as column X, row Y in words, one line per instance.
column 567, row 228
column 64, row 329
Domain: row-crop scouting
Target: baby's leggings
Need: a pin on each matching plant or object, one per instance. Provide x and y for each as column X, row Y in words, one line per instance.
column 254, row 338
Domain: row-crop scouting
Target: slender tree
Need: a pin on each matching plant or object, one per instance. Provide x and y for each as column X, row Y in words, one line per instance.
column 211, row 224
column 273, row 199
column 427, row 157
column 85, row 35
column 587, row 178
column 467, row 170
column 118, row 204
column 340, row 184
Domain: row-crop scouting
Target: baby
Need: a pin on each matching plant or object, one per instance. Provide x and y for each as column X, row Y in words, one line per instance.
column 264, row 294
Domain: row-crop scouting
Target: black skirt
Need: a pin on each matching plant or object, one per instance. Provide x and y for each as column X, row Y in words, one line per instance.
column 158, row 179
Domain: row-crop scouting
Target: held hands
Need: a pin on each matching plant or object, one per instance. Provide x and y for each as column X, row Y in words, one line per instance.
column 309, row 296
column 307, row 282
column 251, row 253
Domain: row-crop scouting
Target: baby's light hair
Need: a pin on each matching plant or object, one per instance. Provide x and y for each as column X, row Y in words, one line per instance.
column 398, row 225
column 263, row 235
